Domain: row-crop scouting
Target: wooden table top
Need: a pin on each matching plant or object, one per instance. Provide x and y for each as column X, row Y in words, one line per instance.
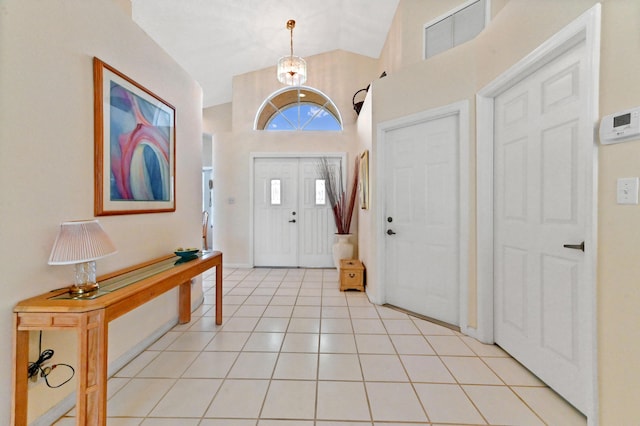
column 148, row 279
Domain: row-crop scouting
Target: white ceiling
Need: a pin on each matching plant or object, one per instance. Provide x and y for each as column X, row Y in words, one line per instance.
column 216, row 39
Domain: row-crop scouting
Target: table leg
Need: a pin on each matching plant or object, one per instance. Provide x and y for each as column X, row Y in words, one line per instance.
column 184, row 303
column 20, row 375
column 219, row 292
column 91, row 400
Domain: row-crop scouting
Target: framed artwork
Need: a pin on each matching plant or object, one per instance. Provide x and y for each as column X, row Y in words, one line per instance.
column 363, row 180
column 134, row 146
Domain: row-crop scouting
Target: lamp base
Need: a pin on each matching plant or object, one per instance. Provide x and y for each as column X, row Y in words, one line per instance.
column 85, row 281
column 83, row 289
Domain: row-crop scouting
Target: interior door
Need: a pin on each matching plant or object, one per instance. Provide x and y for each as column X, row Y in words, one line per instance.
column 421, row 207
column 293, row 222
column 275, row 212
column 541, row 143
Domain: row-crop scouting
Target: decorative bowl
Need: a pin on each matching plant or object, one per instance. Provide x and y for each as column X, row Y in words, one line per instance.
column 188, row 252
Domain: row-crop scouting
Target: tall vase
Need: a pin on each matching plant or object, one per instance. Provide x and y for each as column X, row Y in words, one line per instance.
column 342, row 249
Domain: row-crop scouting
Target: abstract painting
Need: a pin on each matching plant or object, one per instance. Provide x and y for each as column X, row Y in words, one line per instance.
column 134, row 146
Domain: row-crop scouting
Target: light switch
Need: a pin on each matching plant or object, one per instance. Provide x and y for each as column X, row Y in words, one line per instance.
column 627, row 190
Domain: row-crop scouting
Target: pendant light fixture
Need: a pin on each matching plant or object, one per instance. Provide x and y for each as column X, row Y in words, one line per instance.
column 292, row 70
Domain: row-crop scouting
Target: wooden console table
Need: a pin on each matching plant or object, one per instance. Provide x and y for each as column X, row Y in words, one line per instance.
column 119, row 293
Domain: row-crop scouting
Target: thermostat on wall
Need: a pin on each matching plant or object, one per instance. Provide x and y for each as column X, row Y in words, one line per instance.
column 620, row 127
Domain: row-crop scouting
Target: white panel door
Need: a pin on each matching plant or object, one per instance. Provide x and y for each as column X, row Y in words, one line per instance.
column 421, row 207
column 294, row 228
column 317, row 226
column 540, row 206
column 275, row 211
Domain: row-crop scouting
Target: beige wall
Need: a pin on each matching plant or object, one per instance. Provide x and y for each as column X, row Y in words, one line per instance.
column 46, row 163
column 338, row 75
column 619, row 226
column 518, row 28
column 217, row 119
column 366, row 217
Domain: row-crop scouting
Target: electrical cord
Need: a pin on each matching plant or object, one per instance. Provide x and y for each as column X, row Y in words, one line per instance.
column 36, row 368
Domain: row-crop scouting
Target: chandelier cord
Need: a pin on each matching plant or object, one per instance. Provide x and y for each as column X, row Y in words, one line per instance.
column 291, row 24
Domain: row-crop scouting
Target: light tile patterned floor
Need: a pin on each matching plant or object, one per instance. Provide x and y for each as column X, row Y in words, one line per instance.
column 294, row 350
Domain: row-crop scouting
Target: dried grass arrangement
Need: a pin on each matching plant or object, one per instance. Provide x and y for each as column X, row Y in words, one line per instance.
column 342, row 204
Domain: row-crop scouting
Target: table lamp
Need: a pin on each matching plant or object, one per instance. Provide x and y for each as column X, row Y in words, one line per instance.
column 80, row 243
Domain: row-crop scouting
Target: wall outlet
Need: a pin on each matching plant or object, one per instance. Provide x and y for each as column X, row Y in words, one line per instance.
column 627, row 190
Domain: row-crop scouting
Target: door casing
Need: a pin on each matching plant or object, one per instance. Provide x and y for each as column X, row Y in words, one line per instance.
column 461, row 109
column 585, row 28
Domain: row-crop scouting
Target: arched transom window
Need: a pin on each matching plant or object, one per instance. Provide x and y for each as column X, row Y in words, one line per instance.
column 298, row 108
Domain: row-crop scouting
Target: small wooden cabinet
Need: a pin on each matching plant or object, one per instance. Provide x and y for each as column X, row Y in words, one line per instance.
column 351, row 275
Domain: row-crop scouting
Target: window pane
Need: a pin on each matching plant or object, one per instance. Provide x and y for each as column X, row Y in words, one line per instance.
column 275, row 192
column 321, row 199
column 304, row 117
column 321, row 119
column 298, row 109
column 278, row 122
column 292, row 114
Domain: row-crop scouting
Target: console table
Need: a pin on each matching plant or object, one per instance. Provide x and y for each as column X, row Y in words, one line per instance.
column 119, row 293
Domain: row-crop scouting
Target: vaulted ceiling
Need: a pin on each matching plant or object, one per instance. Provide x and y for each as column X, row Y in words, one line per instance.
column 214, row 40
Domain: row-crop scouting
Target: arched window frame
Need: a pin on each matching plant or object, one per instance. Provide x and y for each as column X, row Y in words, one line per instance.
column 282, row 99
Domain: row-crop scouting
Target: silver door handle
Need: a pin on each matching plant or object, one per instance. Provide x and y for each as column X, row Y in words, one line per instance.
column 575, row 246
column 390, row 232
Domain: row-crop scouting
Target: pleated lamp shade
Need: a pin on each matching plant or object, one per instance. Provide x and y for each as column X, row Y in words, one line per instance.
column 80, row 241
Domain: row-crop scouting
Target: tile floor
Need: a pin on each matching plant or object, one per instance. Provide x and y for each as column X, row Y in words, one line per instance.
column 294, row 350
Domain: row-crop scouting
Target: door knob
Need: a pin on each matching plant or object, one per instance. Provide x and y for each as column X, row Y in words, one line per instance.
column 292, row 221
column 575, row 246
column 390, row 232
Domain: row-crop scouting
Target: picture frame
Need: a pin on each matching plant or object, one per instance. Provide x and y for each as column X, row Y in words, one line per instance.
column 363, row 180
column 134, row 153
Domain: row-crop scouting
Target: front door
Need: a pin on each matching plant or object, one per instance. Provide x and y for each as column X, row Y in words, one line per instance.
column 293, row 223
column 275, row 212
column 540, row 220
column 421, row 217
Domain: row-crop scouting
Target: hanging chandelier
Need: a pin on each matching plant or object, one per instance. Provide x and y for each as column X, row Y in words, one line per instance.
column 292, row 70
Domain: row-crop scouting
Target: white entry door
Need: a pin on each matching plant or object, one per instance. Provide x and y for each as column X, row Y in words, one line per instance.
column 275, row 207
column 542, row 149
column 422, row 211
column 293, row 225
column 317, row 226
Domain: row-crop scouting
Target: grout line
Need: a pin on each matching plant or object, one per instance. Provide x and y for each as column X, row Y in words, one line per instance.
column 308, row 280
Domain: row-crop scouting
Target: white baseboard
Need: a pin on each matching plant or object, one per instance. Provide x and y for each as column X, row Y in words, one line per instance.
column 237, row 266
